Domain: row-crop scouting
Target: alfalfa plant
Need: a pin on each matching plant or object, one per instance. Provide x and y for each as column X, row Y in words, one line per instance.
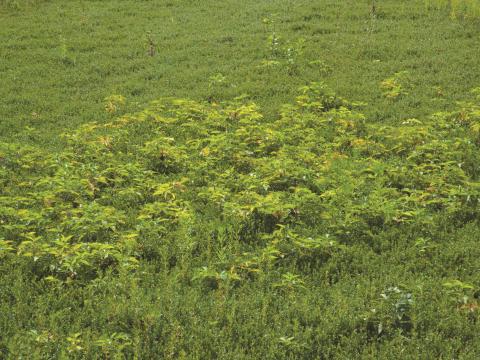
column 469, row 114
column 322, row 67
column 75, row 343
column 290, row 282
column 279, row 52
column 211, row 279
column 396, row 85
column 6, row 248
column 273, row 38
column 392, row 313
column 114, row 103
column 115, row 346
column 465, row 295
column 293, row 53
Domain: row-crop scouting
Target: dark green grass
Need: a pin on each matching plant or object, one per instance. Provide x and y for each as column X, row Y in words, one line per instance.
column 50, row 90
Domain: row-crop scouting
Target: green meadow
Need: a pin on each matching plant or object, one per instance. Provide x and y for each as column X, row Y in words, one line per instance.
column 197, row 179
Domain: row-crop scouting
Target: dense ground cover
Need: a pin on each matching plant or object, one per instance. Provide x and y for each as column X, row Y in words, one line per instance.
column 59, row 59
column 290, row 222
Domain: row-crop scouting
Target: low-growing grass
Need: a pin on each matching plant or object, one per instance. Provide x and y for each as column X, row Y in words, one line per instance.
column 59, row 59
column 467, row 9
column 179, row 180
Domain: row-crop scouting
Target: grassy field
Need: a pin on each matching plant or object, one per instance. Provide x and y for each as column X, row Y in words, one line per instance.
column 106, row 53
column 315, row 195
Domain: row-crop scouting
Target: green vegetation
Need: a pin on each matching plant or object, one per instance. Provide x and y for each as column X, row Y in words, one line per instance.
column 192, row 180
column 467, row 9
